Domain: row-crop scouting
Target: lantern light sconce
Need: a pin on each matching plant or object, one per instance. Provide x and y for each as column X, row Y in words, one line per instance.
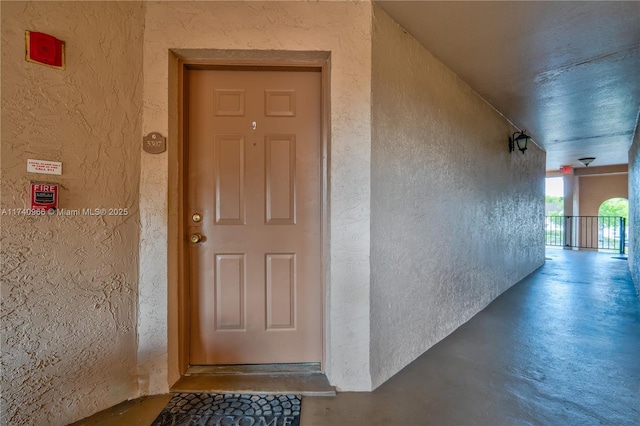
column 520, row 140
column 586, row 160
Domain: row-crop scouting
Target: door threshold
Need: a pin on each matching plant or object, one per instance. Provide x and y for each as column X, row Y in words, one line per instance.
column 255, row 369
column 266, row 379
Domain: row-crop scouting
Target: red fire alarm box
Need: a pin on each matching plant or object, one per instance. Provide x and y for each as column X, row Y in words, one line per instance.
column 44, row 196
column 44, row 49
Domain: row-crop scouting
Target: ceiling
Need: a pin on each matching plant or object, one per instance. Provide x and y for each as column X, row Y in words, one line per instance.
column 566, row 71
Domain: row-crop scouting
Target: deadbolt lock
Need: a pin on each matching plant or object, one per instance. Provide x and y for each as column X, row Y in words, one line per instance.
column 197, row 217
column 195, row 238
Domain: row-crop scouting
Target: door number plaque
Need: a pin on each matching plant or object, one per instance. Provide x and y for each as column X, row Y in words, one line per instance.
column 154, row 143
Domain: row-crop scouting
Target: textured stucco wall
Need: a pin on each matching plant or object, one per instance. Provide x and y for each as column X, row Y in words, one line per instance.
column 342, row 28
column 456, row 220
column 634, row 209
column 595, row 190
column 69, row 284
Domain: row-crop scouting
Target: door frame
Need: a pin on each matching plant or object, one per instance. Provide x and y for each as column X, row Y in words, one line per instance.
column 182, row 60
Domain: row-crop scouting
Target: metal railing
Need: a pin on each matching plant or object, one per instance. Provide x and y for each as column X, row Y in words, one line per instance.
column 587, row 232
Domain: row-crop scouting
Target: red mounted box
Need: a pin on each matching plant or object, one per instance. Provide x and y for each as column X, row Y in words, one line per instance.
column 44, row 196
column 45, row 49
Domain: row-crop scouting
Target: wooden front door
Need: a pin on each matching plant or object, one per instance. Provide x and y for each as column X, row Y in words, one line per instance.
column 254, row 179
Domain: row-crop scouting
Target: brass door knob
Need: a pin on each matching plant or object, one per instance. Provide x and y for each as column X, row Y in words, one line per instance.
column 195, row 238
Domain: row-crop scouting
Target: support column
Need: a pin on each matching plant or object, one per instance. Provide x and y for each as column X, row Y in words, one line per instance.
column 571, row 207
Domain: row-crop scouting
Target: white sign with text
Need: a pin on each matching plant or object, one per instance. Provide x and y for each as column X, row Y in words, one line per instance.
column 44, row 167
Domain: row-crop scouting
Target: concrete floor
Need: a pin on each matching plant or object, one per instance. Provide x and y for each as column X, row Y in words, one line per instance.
column 562, row 347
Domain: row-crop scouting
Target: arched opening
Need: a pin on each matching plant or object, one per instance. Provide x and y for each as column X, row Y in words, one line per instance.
column 613, row 222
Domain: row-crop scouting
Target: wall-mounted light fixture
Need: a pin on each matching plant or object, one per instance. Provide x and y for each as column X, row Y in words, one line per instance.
column 519, row 139
column 586, row 160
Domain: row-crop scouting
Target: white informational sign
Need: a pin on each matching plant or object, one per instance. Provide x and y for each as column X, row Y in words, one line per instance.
column 44, row 167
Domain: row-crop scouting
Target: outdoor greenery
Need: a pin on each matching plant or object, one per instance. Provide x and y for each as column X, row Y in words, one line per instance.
column 555, row 205
column 615, row 207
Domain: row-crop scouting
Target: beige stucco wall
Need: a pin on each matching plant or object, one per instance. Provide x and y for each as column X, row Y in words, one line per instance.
column 596, row 189
column 634, row 208
column 344, row 30
column 456, row 219
column 69, row 284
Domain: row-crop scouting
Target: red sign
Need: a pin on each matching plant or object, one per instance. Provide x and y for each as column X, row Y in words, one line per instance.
column 566, row 170
column 44, row 196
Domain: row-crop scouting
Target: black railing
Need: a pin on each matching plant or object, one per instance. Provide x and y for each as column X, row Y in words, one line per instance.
column 588, row 232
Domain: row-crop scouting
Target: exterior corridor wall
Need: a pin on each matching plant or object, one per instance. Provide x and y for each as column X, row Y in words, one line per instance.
column 634, row 208
column 455, row 218
column 344, row 30
column 596, row 189
column 69, row 283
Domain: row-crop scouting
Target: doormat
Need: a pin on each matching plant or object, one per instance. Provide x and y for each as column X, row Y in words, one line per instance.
column 211, row 409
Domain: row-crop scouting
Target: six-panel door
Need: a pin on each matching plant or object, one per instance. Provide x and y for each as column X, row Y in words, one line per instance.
column 254, row 177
